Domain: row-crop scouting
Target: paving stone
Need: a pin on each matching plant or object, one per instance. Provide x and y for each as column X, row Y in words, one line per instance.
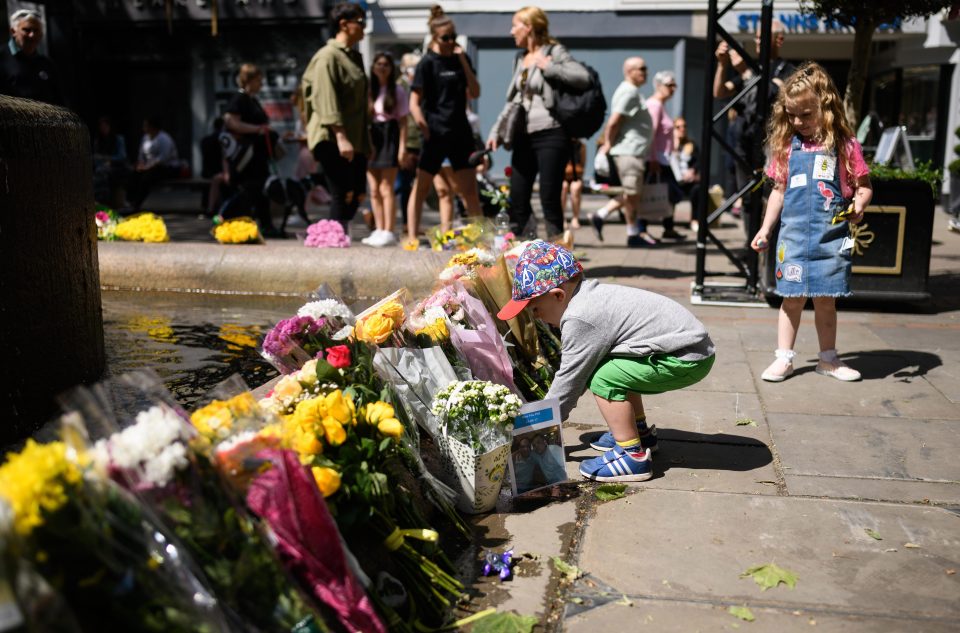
column 695, row 546
column 882, row 448
column 906, row 491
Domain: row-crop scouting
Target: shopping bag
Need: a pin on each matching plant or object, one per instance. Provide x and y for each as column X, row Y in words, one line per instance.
column 654, row 201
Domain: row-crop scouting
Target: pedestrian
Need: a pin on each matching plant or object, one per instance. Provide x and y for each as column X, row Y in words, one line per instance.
column 24, row 72
column 817, row 167
column 442, row 83
column 618, row 341
column 390, row 106
column 540, row 145
column 336, row 98
column 627, row 138
column 212, row 166
column 110, row 168
column 665, row 85
column 157, row 160
column 750, row 147
column 249, row 157
column 407, row 170
column 573, row 182
column 683, row 161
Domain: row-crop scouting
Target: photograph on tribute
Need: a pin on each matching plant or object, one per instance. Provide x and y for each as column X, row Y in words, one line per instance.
column 536, row 458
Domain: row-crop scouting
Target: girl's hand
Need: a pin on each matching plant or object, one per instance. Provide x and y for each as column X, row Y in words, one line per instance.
column 761, row 241
column 856, row 217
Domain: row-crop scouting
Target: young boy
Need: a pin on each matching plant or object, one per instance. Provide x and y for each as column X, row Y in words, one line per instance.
column 622, row 342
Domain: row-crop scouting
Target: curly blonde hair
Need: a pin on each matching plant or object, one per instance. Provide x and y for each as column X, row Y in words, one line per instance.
column 835, row 131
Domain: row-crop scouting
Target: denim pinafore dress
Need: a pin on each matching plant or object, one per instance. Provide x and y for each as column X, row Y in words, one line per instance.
column 809, row 262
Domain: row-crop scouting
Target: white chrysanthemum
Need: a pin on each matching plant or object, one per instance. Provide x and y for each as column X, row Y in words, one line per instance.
column 160, row 469
column 154, row 429
column 326, row 308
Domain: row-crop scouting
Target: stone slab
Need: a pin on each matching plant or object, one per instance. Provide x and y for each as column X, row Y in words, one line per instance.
column 690, row 617
column 812, row 393
column 880, row 448
column 694, row 547
column 872, row 489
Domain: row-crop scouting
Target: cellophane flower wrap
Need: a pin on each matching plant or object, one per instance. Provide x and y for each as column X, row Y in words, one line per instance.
column 143, row 227
column 118, row 567
column 106, row 220
column 295, row 340
column 382, row 323
column 326, row 234
column 144, row 442
column 242, row 230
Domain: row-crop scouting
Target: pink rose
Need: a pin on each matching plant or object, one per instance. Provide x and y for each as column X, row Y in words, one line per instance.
column 338, row 356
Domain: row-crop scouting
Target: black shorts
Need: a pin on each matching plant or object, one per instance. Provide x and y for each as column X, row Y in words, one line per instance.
column 457, row 146
column 386, row 144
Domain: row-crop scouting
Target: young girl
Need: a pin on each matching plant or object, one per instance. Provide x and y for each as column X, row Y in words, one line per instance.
column 817, row 166
column 389, row 107
column 442, row 82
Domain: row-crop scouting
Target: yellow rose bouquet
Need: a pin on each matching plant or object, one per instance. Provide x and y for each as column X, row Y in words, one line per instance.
column 242, row 230
column 143, row 227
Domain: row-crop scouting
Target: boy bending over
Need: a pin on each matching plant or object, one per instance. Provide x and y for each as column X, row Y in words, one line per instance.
column 619, row 341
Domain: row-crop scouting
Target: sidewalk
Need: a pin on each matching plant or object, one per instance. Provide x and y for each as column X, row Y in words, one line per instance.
column 813, row 464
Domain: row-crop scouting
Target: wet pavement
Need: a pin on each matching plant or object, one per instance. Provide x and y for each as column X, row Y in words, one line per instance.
column 852, row 487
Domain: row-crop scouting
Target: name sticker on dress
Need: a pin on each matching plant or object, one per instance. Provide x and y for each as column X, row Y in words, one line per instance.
column 823, row 167
column 793, row 272
column 798, row 180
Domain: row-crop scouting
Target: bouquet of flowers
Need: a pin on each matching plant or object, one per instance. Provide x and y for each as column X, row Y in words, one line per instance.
column 464, row 265
column 461, row 238
column 476, row 420
column 294, row 341
column 326, row 234
column 382, row 322
column 143, row 227
column 106, row 220
column 242, row 230
column 115, row 565
column 155, row 454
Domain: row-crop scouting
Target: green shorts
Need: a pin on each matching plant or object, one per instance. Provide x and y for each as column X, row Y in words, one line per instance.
column 616, row 376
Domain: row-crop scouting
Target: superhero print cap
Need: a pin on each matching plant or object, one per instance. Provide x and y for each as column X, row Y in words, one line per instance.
column 541, row 267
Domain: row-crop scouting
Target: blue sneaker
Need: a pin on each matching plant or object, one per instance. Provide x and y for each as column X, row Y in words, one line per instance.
column 618, row 465
column 648, row 439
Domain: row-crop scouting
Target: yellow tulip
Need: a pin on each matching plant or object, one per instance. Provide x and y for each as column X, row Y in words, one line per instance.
column 390, row 427
column 328, row 480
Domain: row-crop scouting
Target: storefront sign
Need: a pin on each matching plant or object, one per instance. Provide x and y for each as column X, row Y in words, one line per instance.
column 802, row 23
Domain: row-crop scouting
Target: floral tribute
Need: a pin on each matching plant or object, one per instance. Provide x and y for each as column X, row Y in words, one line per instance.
column 242, row 230
column 106, row 220
column 477, row 413
column 326, row 234
column 459, row 239
column 143, row 227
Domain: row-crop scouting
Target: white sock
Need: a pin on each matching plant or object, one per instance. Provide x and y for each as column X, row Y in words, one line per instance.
column 603, row 212
column 633, row 229
column 829, row 356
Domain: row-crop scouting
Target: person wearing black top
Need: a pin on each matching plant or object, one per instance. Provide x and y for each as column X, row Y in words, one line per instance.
column 442, row 83
column 249, row 155
column 24, row 72
column 211, row 166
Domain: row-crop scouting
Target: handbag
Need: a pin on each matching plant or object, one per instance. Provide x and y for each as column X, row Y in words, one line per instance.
column 513, row 123
column 654, row 203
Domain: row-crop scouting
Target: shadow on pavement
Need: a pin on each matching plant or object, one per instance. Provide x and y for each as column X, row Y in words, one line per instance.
column 901, row 364
column 637, row 271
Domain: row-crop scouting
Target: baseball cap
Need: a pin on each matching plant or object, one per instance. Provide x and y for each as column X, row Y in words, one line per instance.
column 541, row 267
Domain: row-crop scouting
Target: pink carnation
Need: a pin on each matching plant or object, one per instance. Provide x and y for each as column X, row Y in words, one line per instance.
column 326, row 234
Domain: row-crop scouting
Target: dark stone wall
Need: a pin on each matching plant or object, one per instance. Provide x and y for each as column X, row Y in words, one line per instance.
column 51, row 331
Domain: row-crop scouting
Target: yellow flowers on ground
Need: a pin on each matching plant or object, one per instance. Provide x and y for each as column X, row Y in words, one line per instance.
column 216, row 420
column 35, row 482
column 143, row 227
column 377, row 327
column 237, row 231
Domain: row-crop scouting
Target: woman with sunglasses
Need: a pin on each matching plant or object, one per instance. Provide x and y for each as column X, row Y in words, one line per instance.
column 335, row 95
column 664, row 86
column 442, row 83
column 389, row 105
column 542, row 145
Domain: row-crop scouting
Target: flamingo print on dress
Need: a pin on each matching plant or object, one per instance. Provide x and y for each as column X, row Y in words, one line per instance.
column 826, row 193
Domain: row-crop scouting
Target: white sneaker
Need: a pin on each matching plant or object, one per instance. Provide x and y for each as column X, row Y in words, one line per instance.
column 381, row 239
column 838, row 370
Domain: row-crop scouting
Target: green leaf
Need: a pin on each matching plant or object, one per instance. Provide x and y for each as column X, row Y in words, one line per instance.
column 742, row 612
column 609, row 492
column 770, row 575
column 570, row 572
column 506, row 623
column 746, row 422
column 624, row 601
column 873, row 534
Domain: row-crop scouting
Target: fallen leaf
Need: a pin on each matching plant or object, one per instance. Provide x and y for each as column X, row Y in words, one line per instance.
column 911, row 546
column 873, row 534
column 570, row 572
column 506, row 623
column 746, row 422
column 890, row 549
column 609, row 492
column 576, row 600
column 743, row 613
column 950, row 572
column 770, row 575
column 624, row 601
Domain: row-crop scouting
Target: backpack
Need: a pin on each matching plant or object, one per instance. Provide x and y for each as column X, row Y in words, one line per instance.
column 580, row 112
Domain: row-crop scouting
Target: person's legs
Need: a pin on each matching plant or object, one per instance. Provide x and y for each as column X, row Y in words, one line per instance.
column 524, row 172
column 421, row 185
column 444, row 189
column 619, row 416
column 465, row 184
column 338, row 180
column 387, row 178
column 825, row 319
column 788, row 322
column 374, row 179
column 552, row 149
column 576, row 201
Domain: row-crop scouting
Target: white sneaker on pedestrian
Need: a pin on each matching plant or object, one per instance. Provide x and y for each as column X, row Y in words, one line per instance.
column 382, row 239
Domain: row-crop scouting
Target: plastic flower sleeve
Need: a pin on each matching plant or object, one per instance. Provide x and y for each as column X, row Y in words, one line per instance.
column 417, row 375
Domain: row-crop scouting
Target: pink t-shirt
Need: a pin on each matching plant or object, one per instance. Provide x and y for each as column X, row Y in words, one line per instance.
column 400, row 110
column 662, row 146
column 778, row 167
